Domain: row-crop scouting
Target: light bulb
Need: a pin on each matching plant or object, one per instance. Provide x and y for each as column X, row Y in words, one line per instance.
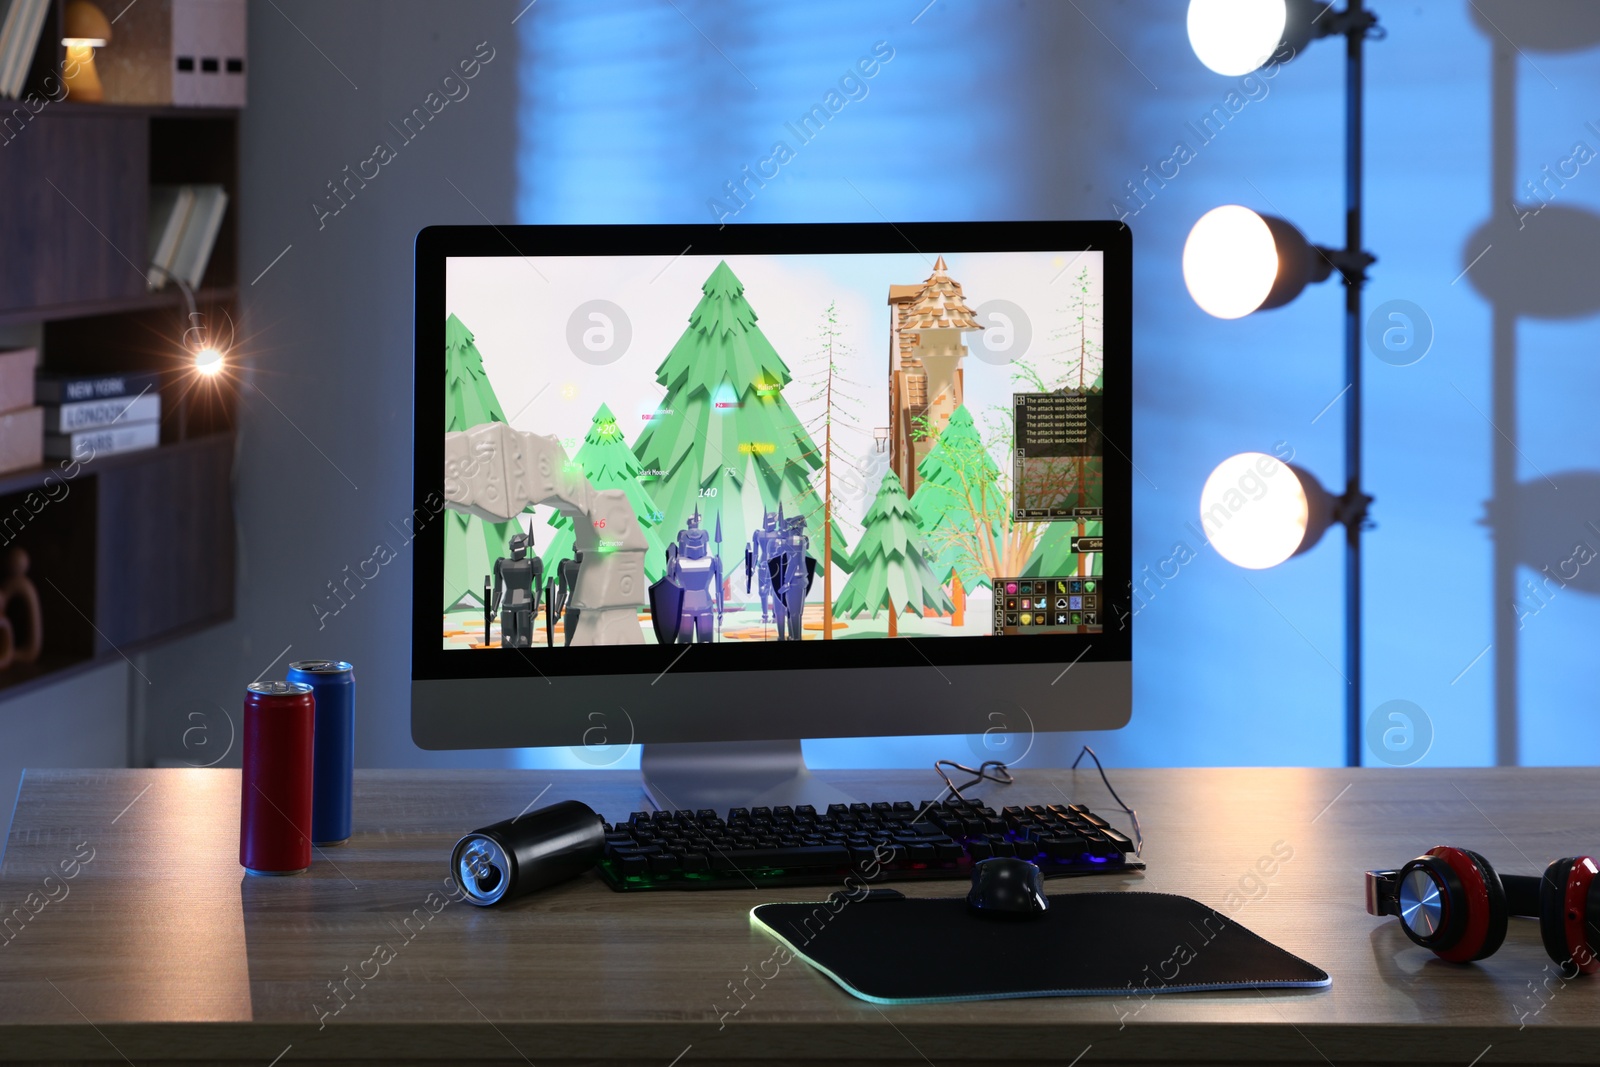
column 1235, row 37
column 208, row 361
column 1254, row 510
column 1230, row 261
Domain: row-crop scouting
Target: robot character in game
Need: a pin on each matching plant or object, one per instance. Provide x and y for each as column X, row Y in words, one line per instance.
column 519, row 579
column 765, row 544
column 683, row 603
column 792, row 570
column 557, row 595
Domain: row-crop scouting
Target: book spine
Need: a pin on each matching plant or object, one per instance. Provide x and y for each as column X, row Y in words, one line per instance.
column 10, row 41
column 91, row 443
column 32, row 26
column 96, row 387
column 96, row 414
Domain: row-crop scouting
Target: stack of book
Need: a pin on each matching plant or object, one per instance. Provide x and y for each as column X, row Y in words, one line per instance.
column 20, row 24
column 21, row 424
column 97, row 415
column 184, row 222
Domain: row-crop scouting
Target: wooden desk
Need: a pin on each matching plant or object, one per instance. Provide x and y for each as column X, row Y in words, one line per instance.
column 158, row 950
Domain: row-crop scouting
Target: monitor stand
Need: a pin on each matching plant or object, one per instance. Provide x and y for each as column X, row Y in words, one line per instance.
column 732, row 774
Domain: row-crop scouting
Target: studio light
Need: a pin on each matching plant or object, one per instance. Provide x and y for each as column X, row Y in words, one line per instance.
column 1236, row 261
column 1235, row 37
column 1258, row 511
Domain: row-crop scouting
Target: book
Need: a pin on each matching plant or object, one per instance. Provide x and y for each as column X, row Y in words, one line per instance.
column 66, row 389
column 170, row 208
column 21, row 439
column 10, row 16
column 19, row 39
column 98, row 414
column 31, row 24
column 16, row 378
column 199, row 234
column 87, row 444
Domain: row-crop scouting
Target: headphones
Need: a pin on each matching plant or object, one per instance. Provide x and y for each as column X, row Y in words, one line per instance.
column 1451, row 902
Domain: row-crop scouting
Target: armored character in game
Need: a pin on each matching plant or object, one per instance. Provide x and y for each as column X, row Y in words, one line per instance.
column 682, row 604
column 522, row 577
column 764, row 544
column 792, row 569
column 556, row 597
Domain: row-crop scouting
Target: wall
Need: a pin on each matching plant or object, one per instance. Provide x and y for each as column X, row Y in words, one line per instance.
column 637, row 111
column 325, row 424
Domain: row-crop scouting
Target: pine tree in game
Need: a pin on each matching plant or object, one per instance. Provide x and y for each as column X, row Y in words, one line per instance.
column 1084, row 375
column 724, row 440
column 470, row 545
column 962, row 508
column 608, row 463
column 836, row 402
column 890, row 568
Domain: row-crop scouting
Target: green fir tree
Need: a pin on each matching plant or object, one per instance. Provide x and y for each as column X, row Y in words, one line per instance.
column 961, row 505
column 608, row 463
column 471, row 545
column 724, row 440
column 891, row 564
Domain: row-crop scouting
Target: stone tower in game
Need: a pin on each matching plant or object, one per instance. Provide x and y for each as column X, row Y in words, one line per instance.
column 926, row 347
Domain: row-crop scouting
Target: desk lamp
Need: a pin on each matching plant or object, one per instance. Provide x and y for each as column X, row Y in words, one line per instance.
column 84, row 29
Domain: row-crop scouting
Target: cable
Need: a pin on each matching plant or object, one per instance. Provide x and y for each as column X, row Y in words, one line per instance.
column 183, row 284
column 981, row 774
column 1138, row 838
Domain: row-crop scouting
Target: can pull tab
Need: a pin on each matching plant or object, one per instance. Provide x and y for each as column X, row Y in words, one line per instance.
column 482, row 870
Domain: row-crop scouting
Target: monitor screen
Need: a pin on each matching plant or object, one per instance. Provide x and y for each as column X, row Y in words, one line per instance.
column 780, row 448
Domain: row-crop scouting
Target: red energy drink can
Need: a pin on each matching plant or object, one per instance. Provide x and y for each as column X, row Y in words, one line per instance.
column 275, row 797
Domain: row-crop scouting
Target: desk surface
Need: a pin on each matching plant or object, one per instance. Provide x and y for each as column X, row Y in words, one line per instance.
column 157, row 949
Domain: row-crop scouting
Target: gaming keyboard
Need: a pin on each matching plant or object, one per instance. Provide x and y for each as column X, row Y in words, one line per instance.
column 880, row 842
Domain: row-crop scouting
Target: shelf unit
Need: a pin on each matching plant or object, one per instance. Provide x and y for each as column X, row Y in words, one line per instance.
column 135, row 549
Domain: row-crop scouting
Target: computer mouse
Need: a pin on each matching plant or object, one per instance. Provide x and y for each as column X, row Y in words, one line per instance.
column 1007, row 888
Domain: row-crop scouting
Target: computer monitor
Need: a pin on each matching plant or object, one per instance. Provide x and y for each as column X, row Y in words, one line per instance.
column 712, row 490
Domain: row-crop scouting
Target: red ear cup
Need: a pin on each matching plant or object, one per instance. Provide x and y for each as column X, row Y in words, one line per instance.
column 1566, row 921
column 1484, row 904
column 1553, row 910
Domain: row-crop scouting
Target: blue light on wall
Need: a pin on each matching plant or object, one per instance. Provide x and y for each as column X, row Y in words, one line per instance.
column 644, row 111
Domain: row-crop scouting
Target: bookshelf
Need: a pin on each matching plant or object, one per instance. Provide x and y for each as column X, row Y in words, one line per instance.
column 138, row 548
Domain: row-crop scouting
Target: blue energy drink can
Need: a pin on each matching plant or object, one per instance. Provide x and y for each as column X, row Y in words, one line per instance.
column 333, row 684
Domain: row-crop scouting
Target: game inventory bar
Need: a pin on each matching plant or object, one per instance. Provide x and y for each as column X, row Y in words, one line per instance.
column 1067, row 604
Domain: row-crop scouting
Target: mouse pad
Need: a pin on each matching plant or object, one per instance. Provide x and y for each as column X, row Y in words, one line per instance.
column 890, row 949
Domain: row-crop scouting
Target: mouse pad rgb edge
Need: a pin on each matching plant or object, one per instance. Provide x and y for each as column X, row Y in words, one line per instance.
column 904, row 951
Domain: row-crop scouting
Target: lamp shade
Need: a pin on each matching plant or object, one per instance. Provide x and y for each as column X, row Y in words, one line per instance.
column 1230, row 261
column 1257, row 510
column 1236, row 261
column 1235, row 37
column 85, row 24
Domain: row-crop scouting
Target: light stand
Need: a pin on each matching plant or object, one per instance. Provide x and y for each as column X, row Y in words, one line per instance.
column 1355, row 22
column 1299, row 263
